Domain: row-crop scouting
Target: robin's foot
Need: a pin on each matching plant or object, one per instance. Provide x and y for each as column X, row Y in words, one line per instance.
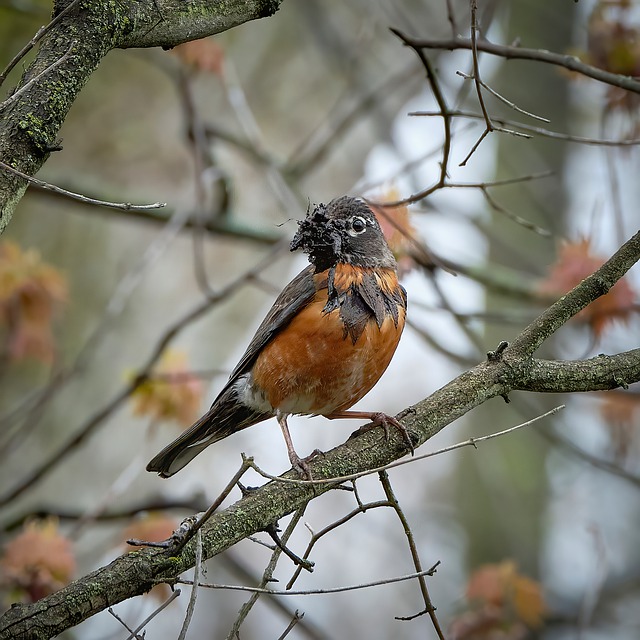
column 378, row 419
column 301, row 465
column 383, row 420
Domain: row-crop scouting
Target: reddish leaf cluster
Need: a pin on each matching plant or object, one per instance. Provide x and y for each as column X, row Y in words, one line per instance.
column 502, row 605
column 30, row 292
column 171, row 393
column 37, row 562
column 574, row 263
column 613, row 44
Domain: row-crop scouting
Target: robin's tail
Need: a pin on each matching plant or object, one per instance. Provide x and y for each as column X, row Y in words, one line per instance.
column 226, row 416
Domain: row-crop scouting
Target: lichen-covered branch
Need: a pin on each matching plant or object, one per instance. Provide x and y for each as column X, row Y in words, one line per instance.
column 69, row 53
column 509, row 369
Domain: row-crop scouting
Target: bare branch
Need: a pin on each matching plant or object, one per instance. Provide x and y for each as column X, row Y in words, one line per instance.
column 429, row 608
column 194, row 589
column 316, row 592
column 126, row 206
column 149, row 618
column 572, row 63
column 32, row 43
column 14, row 96
column 566, row 137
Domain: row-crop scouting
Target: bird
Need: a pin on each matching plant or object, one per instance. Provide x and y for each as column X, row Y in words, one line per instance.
column 326, row 341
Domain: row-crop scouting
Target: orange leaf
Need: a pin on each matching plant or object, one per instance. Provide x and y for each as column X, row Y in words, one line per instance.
column 37, row 562
column 528, row 601
column 30, row 292
column 500, row 586
column 204, row 55
column 172, row 393
column 574, row 263
column 396, row 226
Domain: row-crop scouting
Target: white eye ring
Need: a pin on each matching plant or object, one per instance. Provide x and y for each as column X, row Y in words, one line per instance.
column 357, row 226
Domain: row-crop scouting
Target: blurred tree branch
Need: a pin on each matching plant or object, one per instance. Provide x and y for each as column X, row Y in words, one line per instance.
column 569, row 62
column 509, row 368
column 69, row 52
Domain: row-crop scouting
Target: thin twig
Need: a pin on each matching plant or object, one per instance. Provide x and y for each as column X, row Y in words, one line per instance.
column 476, row 65
column 124, row 624
column 446, row 119
column 554, row 135
column 149, row 618
column 514, row 217
column 316, row 536
column 127, row 206
column 194, row 589
column 572, row 63
column 297, row 616
column 428, row 604
column 266, row 577
column 246, row 464
column 502, row 99
column 467, row 185
column 38, row 76
column 316, row 592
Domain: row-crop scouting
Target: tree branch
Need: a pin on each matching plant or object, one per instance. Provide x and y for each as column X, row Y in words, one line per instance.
column 507, row 370
column 570, row 62
column 69, row 52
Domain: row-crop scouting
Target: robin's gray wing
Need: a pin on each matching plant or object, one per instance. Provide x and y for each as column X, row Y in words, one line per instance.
column 294, row 297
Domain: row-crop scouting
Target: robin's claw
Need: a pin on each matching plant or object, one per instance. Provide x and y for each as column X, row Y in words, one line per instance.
column 383, row 420
column 301, row 465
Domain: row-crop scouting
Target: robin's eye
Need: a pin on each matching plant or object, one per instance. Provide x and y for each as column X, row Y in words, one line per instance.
column 358, row 225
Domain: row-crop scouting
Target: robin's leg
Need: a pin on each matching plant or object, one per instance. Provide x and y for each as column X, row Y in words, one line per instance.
column 297, row 463
column 378, row 419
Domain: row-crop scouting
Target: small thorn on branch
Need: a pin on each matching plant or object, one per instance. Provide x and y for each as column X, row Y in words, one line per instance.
column 496, row 356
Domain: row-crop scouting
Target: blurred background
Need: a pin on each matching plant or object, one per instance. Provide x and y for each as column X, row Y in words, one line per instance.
column 536, row 532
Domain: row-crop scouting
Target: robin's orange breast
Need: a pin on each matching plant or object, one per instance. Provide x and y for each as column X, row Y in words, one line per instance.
column 313, row 367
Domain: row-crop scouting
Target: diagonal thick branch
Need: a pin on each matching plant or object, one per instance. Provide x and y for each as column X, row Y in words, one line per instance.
column 69, row 52
column 509, row 369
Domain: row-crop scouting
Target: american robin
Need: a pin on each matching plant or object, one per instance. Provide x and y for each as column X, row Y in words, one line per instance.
column 324, row 344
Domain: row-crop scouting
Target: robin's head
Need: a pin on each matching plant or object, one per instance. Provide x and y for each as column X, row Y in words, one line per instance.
column 345, row 230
